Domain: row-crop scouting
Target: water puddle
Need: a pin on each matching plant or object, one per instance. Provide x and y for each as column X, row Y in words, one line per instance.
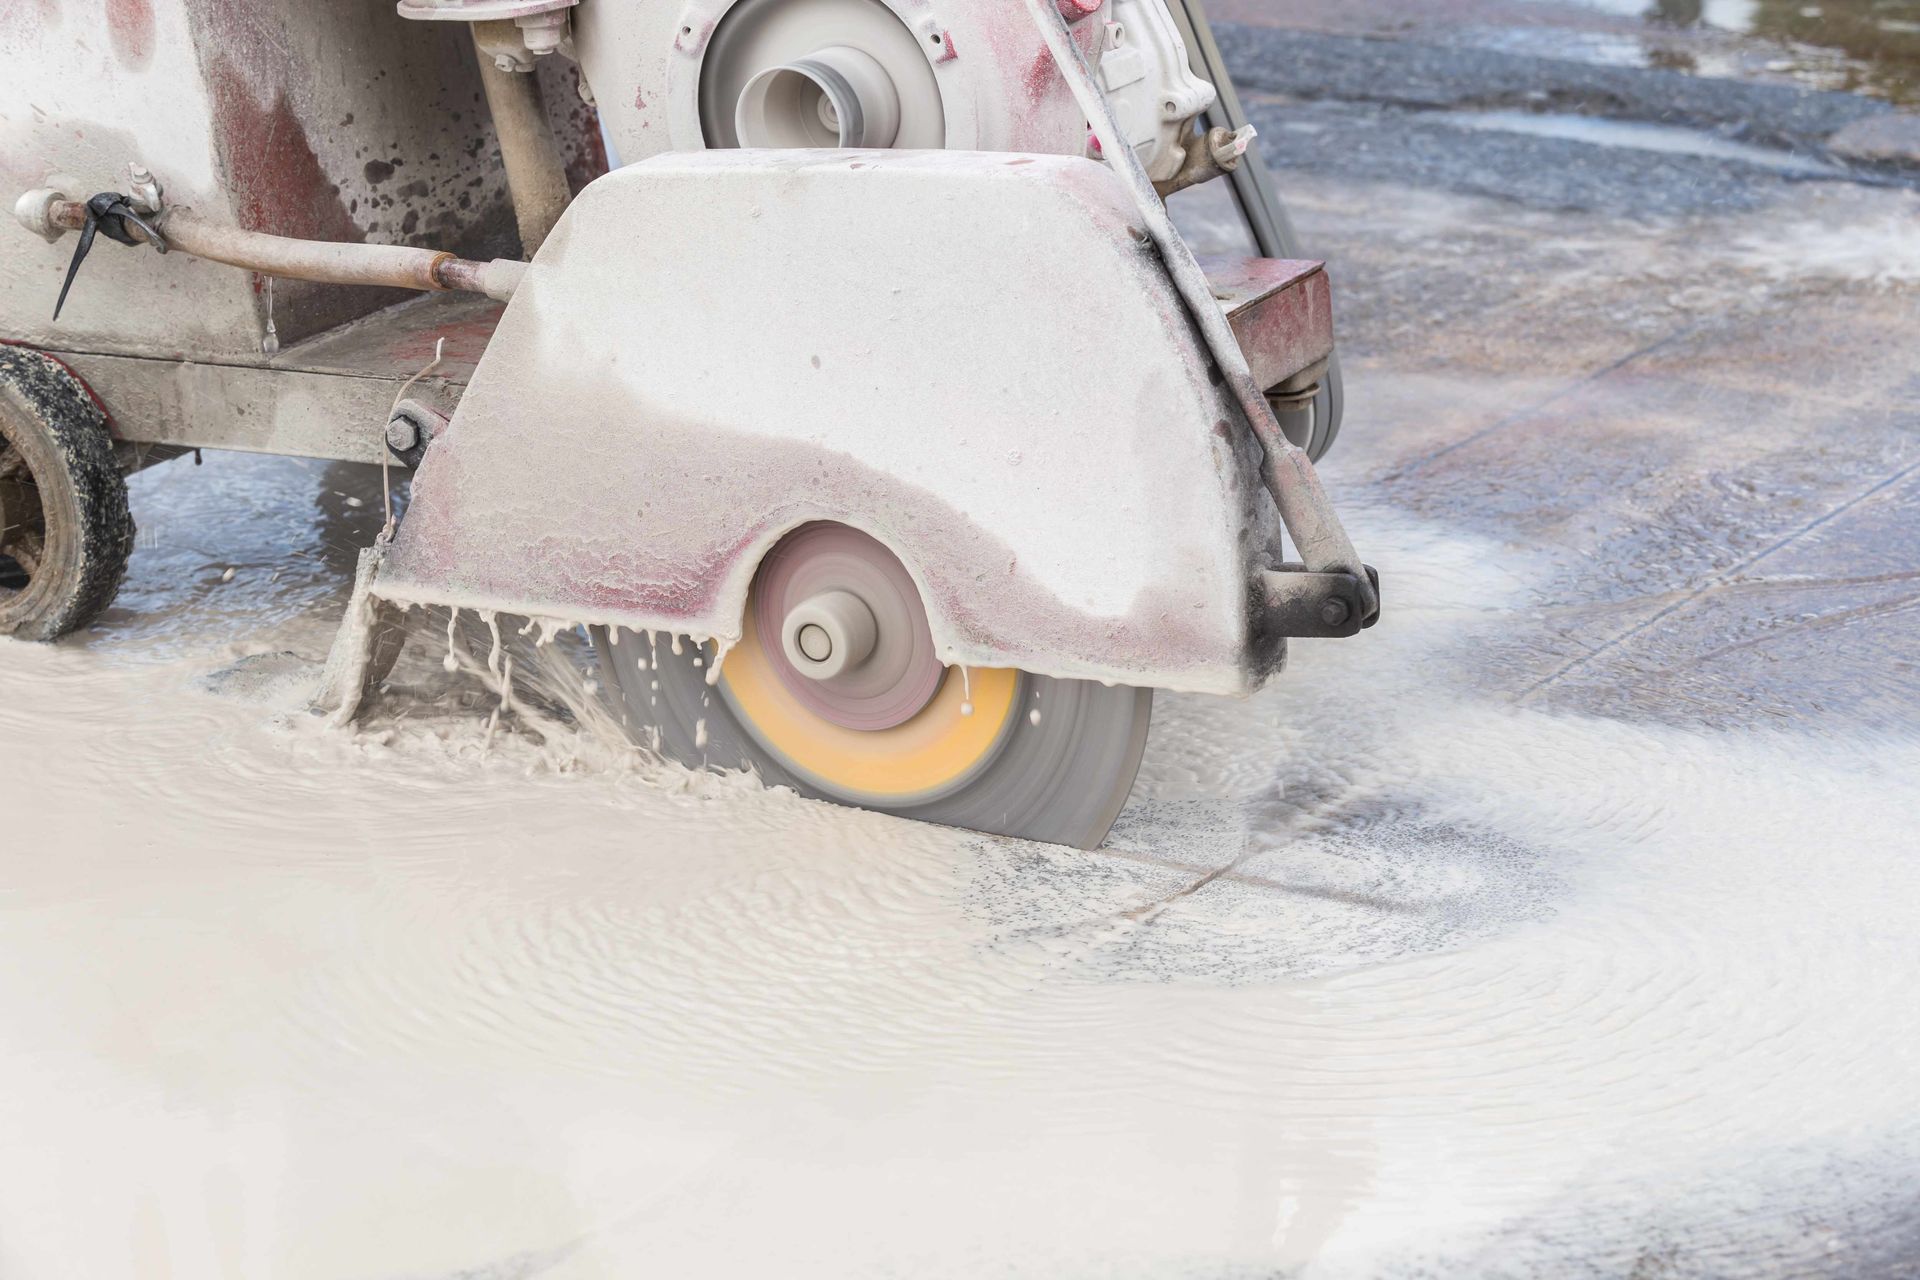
column 1858, row 46
column 1661, row 138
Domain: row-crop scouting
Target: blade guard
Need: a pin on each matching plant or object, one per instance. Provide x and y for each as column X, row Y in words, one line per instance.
column 977, row 358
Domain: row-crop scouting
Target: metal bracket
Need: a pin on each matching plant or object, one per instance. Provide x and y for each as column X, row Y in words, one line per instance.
column 1298, row 602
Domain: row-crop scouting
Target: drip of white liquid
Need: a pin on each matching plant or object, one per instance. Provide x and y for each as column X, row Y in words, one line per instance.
column 450, row 663
column 966, row 692
column 493, row 629
column 713, row 668
column 676, row 644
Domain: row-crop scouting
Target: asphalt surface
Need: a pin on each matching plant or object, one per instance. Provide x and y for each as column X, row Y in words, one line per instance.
column 1396, row 111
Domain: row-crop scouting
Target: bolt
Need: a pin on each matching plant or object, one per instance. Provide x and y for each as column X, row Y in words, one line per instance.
column 402, row 434
column 1334, row 612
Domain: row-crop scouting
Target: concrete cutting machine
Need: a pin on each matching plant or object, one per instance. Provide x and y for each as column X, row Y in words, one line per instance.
column 870, row 411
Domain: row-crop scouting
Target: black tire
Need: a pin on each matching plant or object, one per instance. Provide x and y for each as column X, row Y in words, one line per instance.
column 62, row 497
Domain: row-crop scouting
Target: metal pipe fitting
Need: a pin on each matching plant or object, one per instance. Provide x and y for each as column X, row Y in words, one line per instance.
column 34, row 210
column 1211, row 154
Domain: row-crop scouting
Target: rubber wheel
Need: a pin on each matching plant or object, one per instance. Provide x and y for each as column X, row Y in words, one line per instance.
column 1316, row 425
column 1001, row 751
column 65, row 530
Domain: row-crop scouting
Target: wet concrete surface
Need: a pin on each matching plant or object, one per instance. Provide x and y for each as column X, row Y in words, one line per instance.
column 1868, row 47
column 1561, row 925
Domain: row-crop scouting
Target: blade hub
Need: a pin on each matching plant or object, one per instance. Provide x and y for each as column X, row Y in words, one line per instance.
column 829, row 634
column 853, row 643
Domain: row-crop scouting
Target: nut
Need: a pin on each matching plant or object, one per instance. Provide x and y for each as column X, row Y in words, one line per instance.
column 402, row 434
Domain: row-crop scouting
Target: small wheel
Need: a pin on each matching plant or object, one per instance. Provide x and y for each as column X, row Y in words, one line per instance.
column 835, row 690
column 1315, row 425
column 65, row 531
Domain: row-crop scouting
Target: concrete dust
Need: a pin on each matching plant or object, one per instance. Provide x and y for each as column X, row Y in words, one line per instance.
column 1882, row 250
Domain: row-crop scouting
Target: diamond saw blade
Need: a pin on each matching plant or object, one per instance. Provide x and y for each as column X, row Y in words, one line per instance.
column 994, row 750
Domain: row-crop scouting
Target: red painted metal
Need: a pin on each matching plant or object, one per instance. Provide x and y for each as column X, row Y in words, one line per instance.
column 1281, row 312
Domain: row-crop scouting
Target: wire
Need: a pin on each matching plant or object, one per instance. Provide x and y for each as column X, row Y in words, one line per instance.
column 386, row 454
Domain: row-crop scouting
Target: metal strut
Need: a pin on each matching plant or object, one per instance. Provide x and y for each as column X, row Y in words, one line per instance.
column 1331, row 567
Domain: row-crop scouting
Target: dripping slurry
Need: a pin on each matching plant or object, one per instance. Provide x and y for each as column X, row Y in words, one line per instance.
column 651, row 663
column 966, row 691
column 449, row 663
column 500, row 670
column 492, row 620
column 1033, row 716
column 713, row 663
column 706, row 694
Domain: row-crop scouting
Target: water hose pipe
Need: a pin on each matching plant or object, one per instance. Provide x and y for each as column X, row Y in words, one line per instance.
column 49, row 214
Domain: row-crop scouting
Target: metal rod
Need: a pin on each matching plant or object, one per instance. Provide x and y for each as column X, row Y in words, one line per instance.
column 536, row 177
column 327, row 261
